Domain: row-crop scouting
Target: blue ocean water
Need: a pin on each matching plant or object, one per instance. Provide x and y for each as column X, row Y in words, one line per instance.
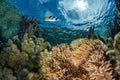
column 72, row 14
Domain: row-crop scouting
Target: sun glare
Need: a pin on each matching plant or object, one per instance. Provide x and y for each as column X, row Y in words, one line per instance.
column 82, row 5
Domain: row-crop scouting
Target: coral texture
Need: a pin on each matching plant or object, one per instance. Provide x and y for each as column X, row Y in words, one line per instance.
column 82, row 61
column 114, row 54
column 6, row 74
column 98, row 68
column 33, row 45
column 12, row 57
column 23, row 57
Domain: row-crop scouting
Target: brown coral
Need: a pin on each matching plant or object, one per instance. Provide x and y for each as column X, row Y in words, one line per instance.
column 98, row 68
column 80, row 55
column 58, row 66
column 78, row 62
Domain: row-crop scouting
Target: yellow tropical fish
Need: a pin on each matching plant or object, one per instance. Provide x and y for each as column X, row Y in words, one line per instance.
column 51, row 18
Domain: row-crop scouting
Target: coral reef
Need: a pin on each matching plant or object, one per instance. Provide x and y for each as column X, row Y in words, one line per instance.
column 14, row 58
column 93, row 35
column 112, row 29
column 82, row 60
column 23, row 57
column 109, row 43
column 9, row 20
column 33, row 45
column 30, row 59
column 99, row 68
column 114, row 54
column 58, row 35
column 27, row 26
column 6, row 74
column 27, row 57
column 114, row 25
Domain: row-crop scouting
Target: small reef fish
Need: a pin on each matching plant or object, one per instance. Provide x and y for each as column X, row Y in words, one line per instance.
column 51, row 18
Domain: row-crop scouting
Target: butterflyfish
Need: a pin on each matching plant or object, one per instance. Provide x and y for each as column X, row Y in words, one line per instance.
column 51, row 18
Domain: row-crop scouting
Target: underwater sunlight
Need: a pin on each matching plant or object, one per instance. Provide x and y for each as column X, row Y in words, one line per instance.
column 73, row 14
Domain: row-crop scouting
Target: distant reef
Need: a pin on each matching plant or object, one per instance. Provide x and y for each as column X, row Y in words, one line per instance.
column 9, row 20
column 114, row 25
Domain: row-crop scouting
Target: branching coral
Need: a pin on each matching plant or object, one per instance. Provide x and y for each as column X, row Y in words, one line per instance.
column 6, row 74
column 24, row 58
column 35, row 76
column 77, row 62
column 33, row 45
column 12, row 57
column 115, row 53
column 110, row 43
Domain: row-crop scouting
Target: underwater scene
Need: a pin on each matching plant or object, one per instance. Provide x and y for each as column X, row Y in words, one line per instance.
column 59, row 39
